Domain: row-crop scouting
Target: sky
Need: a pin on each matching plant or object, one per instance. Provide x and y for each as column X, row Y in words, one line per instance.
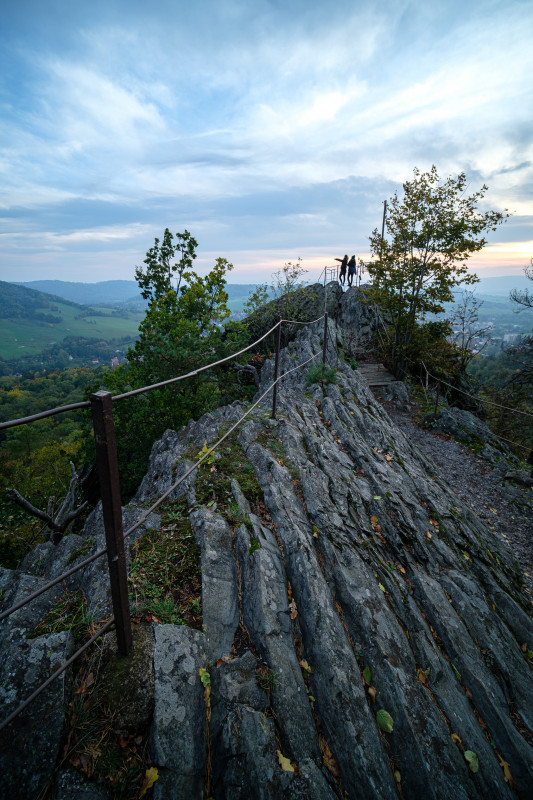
column 269, row 129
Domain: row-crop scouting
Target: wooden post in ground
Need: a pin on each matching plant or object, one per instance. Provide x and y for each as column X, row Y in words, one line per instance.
column 107, row 465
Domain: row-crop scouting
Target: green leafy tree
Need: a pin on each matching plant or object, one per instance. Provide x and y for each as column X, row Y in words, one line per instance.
column 186, row 327
column 431, row 232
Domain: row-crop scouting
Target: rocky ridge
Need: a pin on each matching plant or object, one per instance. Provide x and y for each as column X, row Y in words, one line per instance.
column 353, row 583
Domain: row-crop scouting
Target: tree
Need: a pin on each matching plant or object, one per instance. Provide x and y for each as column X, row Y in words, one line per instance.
column 287, row 301
column 523, row 297
column 465, row 322
column 186, row 326
column 431, row 232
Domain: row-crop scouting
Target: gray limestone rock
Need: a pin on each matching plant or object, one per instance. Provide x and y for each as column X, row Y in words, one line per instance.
column 177, row 737
column 220, row 603
column 70, row 785
column 29, row 746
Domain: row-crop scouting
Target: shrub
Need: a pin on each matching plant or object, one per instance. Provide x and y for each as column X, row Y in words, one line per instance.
column 321, row 374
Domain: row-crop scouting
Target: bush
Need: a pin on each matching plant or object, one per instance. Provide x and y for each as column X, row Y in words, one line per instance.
column 321, row 374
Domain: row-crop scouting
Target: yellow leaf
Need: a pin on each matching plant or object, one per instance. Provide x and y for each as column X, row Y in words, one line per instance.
column 149, row 779
column 280, row 461
column 457, row 740
column 397, row 776
column 284, row 763
column 382, row 587
column 372, row 692
column 507, row 774
column 304, row 665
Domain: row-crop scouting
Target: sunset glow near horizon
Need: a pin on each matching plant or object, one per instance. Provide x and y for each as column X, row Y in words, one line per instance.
column 270, row 131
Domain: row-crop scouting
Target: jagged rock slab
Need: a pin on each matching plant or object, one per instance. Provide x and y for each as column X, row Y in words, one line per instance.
column 29, row 746
column 177, row 738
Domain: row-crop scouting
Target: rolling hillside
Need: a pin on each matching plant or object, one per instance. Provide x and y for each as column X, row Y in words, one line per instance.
column 31, row 321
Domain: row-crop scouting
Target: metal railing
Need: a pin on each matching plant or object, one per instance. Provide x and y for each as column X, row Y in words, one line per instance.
column 101, row 404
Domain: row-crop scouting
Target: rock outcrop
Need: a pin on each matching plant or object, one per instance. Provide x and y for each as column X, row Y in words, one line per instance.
column 365, row 635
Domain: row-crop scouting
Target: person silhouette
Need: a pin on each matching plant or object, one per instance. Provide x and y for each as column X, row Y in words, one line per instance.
column 351, row 270
column 342, row 273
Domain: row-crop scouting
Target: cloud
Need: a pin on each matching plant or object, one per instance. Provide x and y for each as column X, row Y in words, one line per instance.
column 267, row 125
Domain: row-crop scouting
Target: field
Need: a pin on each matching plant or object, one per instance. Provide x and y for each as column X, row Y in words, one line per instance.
column 20, row 337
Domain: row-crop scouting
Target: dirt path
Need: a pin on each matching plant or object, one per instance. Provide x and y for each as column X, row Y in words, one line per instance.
column 508, row 511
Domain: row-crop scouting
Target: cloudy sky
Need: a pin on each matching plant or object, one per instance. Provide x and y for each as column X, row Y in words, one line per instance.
column 270, row 129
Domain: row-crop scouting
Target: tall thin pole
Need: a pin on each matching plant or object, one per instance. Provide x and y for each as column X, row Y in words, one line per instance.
column 384, row 216
column 276, row 370
column 107, row 466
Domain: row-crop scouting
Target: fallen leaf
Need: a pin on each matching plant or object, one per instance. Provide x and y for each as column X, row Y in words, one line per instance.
column 385, row 721
column 305, row 666
column 284, row 763
column 472, row 760
column 428, row 534
column 150, row 778
column 421, row 675
column 524, row 647
column 372, row 692
column 293, row 609
column 457, row 741
column 377, row 497
column 507, row 774
column 397, row 776
column 382, row 587
column 367, row 675
column 89, row 680
column 205, row 677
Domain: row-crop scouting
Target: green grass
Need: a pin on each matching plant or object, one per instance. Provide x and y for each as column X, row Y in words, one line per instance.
column 20, row 337
column 69, row 614
column 165, row 577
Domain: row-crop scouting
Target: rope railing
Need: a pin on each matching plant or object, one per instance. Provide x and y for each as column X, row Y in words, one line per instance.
column 86, row 403
column 206, row 455
column 101, row 403
column 479, row 399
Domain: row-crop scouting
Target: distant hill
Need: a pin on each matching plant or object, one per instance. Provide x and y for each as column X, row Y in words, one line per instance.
column 122, row 292
column 31, row 321
column 502, row 285
column 88, row 294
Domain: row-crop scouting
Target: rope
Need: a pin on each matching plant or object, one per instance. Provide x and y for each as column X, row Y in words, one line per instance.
column 86, row 403
column 296, row 322
column 49, row 585
column 158, row 502
column 478, row 399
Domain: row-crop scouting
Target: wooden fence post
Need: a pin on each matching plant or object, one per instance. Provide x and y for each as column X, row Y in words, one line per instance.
column 276, row 370
column 107, row 465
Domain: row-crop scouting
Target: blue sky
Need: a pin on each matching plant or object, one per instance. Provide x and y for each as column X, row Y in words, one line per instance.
column 268, row 129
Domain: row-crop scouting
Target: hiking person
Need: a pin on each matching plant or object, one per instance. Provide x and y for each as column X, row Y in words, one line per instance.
column 351, row 270
column 342, row 274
